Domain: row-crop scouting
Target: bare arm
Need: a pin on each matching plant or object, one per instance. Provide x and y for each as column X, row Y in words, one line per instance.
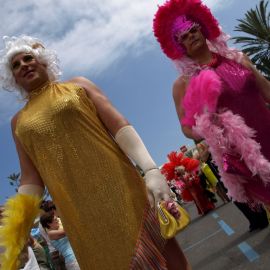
column 263, row 83
column 29, row 174
column 111, row 118
column 179, row 90
column 56, row 234
column 129, row 141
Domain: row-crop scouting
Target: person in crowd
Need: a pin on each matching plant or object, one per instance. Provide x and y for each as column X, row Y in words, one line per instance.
column 206, row 158
column 177, row 193
column 204, row 181
column 219, row 97
column 48, row 206
column 40, row 254
column 59, row 240
column 57, row 259
column 70, row 138
column 184, row 170
column 28, row 259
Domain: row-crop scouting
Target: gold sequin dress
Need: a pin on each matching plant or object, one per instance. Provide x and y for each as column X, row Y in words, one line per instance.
column 99, row 194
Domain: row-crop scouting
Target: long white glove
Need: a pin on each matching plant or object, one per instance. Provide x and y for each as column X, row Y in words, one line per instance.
column 30, row 189
column 133, row 146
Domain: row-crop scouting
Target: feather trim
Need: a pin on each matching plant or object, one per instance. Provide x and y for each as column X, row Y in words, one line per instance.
column 195, row 11
column 19, row 214
column 201, row 96
column 228, row 133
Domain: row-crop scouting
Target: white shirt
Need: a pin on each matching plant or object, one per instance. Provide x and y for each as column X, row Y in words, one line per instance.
column 32, row 263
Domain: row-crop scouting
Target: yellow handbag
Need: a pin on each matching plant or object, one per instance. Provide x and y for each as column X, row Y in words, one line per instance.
column 169, row 225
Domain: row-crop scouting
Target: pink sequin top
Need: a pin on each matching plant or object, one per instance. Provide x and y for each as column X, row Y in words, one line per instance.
column 242, row 96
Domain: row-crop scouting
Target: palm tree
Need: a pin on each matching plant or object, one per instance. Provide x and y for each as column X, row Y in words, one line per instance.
column 14, row 180
column 257, row 43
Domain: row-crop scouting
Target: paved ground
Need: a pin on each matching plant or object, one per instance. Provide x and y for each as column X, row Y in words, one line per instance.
column 221, row 241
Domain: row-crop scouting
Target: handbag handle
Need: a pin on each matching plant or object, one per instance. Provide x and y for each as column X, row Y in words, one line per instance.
column 162, row 214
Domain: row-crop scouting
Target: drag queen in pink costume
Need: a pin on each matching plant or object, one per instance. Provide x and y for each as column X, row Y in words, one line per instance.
column 220, row 97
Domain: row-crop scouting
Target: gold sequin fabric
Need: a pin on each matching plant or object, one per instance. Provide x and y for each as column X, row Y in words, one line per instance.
column 99, row 194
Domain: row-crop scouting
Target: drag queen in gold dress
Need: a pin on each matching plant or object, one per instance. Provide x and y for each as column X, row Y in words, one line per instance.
column 70, row 138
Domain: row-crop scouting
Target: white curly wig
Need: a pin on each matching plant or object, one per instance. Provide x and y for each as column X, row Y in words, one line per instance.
column 15, row 45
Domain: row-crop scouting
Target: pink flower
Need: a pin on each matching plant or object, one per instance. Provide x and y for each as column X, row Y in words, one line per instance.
column 172, row 209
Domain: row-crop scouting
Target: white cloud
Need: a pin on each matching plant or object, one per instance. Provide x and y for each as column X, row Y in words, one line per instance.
column 89, row 35
column 86, row 34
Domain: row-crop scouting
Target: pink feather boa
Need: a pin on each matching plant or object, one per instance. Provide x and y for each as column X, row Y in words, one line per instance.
column 224, row 132
column 233, row 135
column 201, row 96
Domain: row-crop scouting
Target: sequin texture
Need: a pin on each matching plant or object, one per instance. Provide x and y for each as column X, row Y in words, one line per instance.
column 98, row 192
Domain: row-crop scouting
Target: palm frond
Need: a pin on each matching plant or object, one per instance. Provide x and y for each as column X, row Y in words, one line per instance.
column 256, row 44
column 256, row 22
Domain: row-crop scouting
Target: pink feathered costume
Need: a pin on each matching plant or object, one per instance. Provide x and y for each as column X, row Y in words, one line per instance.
column 223, row 104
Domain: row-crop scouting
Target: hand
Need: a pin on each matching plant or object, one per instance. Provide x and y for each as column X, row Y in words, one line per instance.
column 157, row 188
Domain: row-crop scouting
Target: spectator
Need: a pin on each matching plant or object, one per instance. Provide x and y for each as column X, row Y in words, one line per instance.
column 40, row 254
column 59, row 240
column 57, row 259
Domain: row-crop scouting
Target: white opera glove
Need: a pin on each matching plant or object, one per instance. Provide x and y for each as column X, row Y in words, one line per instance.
column 157, row 187
column 30, row 189
column 132, row 145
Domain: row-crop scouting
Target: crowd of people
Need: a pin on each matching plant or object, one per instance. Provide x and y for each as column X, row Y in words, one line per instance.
column 184, row 176
column 193, row 176
column 71, row 139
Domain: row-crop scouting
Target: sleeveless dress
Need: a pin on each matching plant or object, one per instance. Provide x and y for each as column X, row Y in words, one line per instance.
column 242, row 96
column 99, row 194
column 223, row 104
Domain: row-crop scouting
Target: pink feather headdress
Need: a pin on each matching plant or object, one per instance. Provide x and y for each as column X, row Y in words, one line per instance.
column 168, row 14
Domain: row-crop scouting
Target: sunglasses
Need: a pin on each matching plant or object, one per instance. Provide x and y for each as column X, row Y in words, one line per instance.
column 182, row 37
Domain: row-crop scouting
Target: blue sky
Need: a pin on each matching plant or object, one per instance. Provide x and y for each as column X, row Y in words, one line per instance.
column 111, row 43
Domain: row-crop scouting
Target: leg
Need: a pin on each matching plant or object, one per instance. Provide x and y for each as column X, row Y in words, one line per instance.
column 257, row 218
column 262, row 217
column 202, row 202
column 221, row 191
column 175, row 257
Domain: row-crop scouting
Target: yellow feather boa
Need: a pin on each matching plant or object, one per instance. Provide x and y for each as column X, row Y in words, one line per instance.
column 19, row 214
